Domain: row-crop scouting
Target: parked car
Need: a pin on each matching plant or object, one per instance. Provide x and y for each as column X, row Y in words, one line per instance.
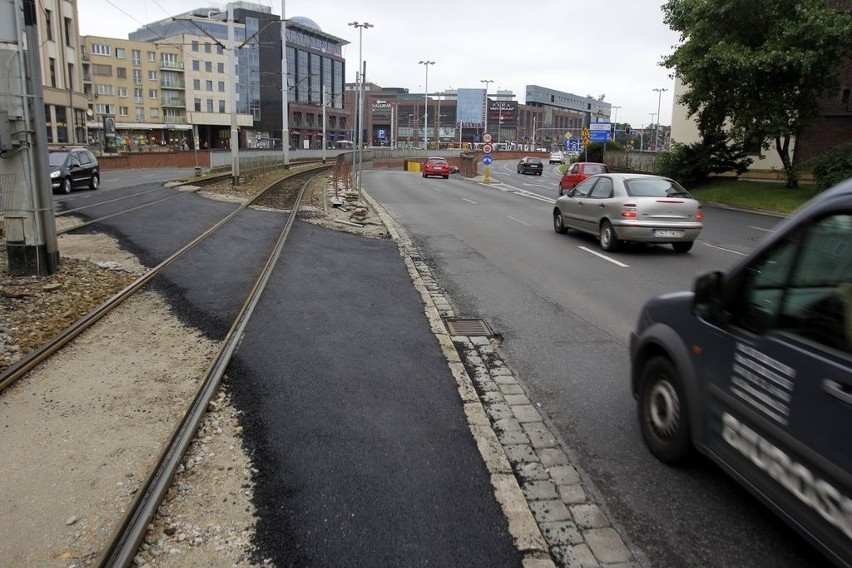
column 530, row 165
column 580, row 171
column 753, row 369
column 73, row 168
column 436, row 167
column 557, row 158
column 630, row 207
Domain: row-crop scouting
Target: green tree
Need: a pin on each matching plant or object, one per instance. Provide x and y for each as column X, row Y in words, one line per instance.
column 756, row 69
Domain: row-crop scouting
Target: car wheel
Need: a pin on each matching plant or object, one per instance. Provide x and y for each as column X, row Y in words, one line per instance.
column 663, row 414
column 96, row 182
column 66, row 185
column 446, row 177
column 539, row 173
column 682, row 247
column 558, row 224
column 608, row 238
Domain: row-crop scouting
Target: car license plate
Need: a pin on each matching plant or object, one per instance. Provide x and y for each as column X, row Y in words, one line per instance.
column 667, row 234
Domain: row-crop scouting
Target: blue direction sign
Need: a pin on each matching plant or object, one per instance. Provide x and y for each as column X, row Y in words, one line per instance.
column 487, row 159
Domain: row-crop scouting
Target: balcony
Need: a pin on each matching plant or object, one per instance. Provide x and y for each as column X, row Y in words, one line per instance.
column 176, row 85
column 87, row 77
column 174, row 120
column 173, row 102
column 172, row 65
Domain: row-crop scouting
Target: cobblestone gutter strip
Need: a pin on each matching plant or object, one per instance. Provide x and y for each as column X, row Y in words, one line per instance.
column 552, row 518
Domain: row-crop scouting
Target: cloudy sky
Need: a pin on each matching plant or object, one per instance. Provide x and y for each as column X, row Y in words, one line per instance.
column 607, row 47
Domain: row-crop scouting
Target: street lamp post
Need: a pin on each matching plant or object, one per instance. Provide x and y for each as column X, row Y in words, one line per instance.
column 615, row 122
column 657, row 124
column 486, row 81
column 360, row 86
column 654, row 120
column 426, row 105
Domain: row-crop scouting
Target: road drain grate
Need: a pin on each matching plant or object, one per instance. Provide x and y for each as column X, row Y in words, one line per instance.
column 459, row 326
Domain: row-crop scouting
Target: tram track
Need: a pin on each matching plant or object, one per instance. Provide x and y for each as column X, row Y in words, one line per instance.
column 284, row 195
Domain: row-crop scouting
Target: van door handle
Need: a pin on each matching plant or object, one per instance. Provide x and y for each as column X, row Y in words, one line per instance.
column 837, row 390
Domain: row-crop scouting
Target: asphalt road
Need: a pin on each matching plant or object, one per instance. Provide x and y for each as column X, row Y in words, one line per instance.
column 565, row 310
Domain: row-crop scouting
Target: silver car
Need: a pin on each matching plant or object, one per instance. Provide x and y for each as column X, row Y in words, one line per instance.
column 630, row 207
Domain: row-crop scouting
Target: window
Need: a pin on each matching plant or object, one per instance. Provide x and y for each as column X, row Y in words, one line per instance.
column 48, row 23
column 152, row 93
column 208, row 66
column 137, row 76
column 803, row 285
column 137, row 96
column 195, row 46
column 209, row 105
column 197, row 105
column 103, row 89
column 221, row 86
column 219, row 50
column 222, row 106
column 122, row 111
column 208, row 85
column 603, row 189
column 152, row 75
column 105, row 109
column 101, row 49
column 207, row 48
column 69, row 32
column 196, row 65
column 220, row 67
column 102, row 70
column 119, row 53
column 121, row 72
column 196, row 84
column 154, row 113
column 140, row 114
column 53, row 72
column 136, row 57
column 122, row 92
column 152, row 56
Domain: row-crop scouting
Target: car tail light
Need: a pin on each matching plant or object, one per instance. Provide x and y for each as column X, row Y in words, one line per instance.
column 699, row 216
column 629, row 211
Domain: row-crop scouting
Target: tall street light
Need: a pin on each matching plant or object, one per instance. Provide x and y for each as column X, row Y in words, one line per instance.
column 360, row 86
column 657, row 124
column 486, row 81
column 615, row 122
column 654, row 116
column 426, row 105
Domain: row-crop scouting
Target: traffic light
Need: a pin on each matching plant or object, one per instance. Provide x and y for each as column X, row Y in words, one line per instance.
column 627, row 131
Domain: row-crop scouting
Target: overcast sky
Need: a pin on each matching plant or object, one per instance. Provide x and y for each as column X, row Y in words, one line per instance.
column 605, row 47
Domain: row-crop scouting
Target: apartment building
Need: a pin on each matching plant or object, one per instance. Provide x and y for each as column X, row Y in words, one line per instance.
column 65, row 105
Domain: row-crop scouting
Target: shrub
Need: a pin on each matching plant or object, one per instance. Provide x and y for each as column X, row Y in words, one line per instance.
column 596, row 151
column 692, row 164
column 833, row 166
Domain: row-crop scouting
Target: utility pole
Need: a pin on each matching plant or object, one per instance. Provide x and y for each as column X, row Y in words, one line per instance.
column 235, row 140
column 30, row 225
column 285, row 94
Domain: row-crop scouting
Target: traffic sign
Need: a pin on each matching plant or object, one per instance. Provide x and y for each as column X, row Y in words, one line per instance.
column 486, row 137
column 487, row 148
column 487, row 159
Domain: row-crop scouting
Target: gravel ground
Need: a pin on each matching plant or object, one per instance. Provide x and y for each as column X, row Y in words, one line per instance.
column 128, row 406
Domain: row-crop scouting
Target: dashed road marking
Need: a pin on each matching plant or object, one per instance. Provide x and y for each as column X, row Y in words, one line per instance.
column 605, row 257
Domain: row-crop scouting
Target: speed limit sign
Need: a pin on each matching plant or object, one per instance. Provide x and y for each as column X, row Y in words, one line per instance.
column 486, row 137
column 486, row 148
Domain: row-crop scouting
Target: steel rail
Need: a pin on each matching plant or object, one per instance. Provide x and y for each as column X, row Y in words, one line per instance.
column 23, row 366
column 123, row 197
column 128, row 537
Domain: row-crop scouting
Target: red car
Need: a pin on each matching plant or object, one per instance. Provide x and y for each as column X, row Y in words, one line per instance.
column 580, row 171
column 436, row 167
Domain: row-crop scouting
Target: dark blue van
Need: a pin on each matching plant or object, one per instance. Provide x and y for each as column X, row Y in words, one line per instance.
column 753, row 368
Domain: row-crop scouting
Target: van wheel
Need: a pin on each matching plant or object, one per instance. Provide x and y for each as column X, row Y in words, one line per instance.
column 608, row 238
column 663, row 413
column 66, row 185
column 96, row 182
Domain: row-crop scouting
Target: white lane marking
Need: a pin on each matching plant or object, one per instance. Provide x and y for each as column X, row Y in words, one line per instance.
column 469, row 201
column 526, row 193
column 725, row 249
column 517, row 220
column 759, row 228
column 605, row 257
column 437, row 189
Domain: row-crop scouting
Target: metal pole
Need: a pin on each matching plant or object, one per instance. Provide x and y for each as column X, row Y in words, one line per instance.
column 285, row 94
column 232, row 51
column 486, row 81
column 657, row 123
column 426, row 106
column 359, row 83
column 324, row 103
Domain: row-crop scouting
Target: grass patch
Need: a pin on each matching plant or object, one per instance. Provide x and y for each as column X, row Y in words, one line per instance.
column 760, row 195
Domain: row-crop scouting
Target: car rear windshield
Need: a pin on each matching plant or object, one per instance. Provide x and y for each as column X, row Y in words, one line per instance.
column 437, row 161
column 654, row 188
column 593, row 169
column 57, row 158
column 533, row 161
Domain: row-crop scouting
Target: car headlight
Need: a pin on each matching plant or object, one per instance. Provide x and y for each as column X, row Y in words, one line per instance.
column 54, row 174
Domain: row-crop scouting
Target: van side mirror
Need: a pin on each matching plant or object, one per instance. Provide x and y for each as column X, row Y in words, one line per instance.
column 708, row 297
